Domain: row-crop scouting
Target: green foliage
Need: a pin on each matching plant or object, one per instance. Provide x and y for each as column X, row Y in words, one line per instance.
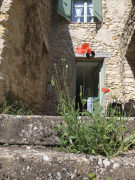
column 92, row 176
column 91, row 134
column 13, row 105
column 108, row 178
column 116, row 111
column 126, row 144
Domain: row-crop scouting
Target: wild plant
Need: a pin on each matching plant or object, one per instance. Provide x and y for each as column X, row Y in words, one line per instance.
column 14, row 106
column 84, row 132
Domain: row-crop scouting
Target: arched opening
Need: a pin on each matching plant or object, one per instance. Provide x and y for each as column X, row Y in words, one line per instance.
column 129, row 78
column 131, row 50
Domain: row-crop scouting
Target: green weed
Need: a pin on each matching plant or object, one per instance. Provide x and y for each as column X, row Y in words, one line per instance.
column 91, row 134
column 14, row 106
column 92, row 176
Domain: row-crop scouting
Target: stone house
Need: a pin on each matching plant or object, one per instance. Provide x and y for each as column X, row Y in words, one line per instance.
column 35, row 35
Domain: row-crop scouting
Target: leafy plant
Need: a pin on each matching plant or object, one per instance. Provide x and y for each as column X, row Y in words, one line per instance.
column 91, row 134
column 92, row 176
column 13, row 105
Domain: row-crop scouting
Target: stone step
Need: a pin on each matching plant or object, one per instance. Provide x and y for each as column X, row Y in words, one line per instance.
column 46, row 164
column 39, row 130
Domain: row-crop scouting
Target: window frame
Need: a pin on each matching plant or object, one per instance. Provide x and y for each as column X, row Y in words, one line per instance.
column 85, row 16
column 65, row 9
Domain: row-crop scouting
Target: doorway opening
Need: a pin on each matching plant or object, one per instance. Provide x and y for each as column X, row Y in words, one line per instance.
column 88, row 85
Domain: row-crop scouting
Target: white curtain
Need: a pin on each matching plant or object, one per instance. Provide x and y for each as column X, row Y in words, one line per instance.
column 91, row 12
column 78, row 13
column 79, row 5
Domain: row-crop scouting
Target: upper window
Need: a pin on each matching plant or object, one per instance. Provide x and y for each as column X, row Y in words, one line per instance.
column 82, row 11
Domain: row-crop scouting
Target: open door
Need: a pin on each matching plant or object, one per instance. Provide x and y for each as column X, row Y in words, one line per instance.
column 88, row 78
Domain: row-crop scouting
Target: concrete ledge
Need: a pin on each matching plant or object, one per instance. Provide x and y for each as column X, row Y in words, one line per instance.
column 39, row 130
column 42, row 164
column 29, row 129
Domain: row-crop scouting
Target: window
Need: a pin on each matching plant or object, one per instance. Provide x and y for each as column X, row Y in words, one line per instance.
column 82, row 11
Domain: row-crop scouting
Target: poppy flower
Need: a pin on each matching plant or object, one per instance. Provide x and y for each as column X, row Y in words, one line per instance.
column 84, row 48
column 105, row 90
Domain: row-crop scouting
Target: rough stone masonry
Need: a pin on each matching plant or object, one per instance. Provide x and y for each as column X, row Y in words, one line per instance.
column 24, row 49
column 27, row 153
column 114, row 36
column 33, row 37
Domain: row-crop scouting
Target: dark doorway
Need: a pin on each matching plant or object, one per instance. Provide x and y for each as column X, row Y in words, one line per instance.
column 88, row 83
column 129, row 76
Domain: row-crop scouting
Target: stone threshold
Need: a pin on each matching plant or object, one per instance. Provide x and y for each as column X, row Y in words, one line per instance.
column 97, row 55
column 21, row 163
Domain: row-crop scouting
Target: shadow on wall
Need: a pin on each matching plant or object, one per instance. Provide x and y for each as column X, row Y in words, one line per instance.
column 129, row 108
column 132, row 66
column 133, row 1
column 130, row 105
column 1, row 2
column 61, row 47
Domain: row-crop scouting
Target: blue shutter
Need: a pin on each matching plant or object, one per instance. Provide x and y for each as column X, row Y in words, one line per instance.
column 64, row 8
column 97, row 8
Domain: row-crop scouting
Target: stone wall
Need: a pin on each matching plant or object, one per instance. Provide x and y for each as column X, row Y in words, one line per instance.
column 127, row 46
column 46, row 164
column 27, row 152
column 106, row 39
column 33, row 37
column 24, row 48
column 36, row 130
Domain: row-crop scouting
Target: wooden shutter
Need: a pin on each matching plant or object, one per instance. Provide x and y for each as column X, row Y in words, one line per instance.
column 64, row 8
column 97, row 7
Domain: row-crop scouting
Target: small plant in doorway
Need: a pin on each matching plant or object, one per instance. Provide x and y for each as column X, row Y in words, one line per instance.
column 91, row 134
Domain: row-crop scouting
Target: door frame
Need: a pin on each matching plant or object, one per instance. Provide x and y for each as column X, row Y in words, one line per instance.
column 100, row 94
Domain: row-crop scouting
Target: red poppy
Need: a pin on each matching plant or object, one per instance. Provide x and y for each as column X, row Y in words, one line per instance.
column 105, row 90
column 83, row 49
